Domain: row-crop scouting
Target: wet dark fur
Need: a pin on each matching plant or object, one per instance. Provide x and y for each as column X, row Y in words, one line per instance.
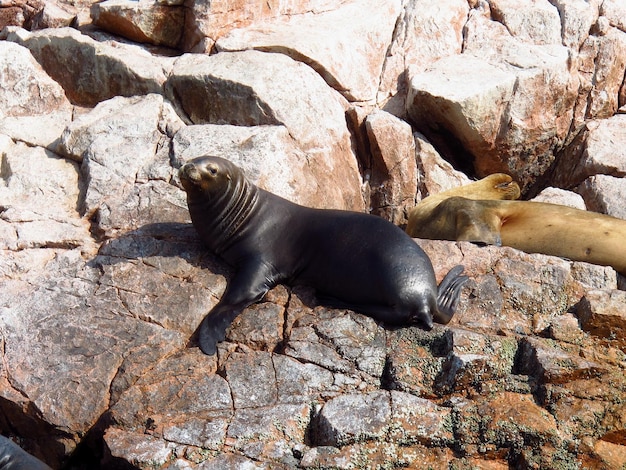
column 353, row 260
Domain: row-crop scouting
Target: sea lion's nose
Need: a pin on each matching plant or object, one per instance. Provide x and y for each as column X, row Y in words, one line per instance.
column 190, row 172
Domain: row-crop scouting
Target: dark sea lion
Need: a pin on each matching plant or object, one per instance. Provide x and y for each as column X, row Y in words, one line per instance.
column 353, row 260
column 13, row 457
column 480, row 212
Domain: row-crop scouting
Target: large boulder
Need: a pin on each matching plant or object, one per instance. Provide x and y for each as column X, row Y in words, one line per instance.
column 605, row 194
column 424, row 32
column 123, row 149
column 240, row 88
column 91, row 71
column 502, row 106
column 146, row 21
column 597, row 150
column 207, row 20
column 577, row 18
column 353, row 71
column 537, row 22
column 33, row 107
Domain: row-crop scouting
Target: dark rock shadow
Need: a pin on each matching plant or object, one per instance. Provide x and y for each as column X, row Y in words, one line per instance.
column 165, row 240
column 36, row 436
column 93, row 453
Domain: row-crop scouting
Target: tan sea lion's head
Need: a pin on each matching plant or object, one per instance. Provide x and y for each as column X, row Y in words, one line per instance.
column 499, row 186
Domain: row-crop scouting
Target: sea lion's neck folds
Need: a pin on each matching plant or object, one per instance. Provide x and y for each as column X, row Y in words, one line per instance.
column 229, row 214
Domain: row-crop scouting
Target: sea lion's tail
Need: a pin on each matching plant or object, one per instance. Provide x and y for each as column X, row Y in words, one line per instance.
column 448, row 294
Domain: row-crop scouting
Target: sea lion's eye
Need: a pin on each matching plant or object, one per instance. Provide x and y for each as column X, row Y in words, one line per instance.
column 212, row 170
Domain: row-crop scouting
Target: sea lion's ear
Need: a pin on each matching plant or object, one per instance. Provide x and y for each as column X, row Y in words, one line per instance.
column 228, row 177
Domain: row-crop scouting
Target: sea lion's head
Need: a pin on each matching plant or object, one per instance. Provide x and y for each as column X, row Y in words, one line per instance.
column 219, row 198
column 500, row 186
column 208, row 176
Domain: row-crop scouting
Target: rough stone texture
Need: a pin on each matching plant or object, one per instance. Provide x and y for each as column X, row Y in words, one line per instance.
column 121, row 145
column 425, row 32
column 90, row 71
column 33, row 107
column 537, row 23
column 393, row 180
column 614, row 11
column 607, row 51
column 353, row 71
column 145, row 21
column 19, row 12
column 54, row 16
column 500, row 115
column 602, row 313
column 353, row 418
column 103, row 281
column 577, row 18
column 603, row 193
column 471, row 106
column 209, row 19
column 595, row 151
column 241, row 89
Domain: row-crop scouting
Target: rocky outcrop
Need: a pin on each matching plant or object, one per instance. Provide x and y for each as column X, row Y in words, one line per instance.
column 103, row 280
column 148, row 22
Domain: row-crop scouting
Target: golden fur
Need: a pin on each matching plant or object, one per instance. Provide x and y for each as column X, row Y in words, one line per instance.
column 483, row 212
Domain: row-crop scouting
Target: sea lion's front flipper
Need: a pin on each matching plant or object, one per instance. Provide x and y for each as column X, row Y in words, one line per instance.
column 473, row 225
column 249, row 285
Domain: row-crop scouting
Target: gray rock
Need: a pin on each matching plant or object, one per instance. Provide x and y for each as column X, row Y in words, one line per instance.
column 353, row 418
column 267, row 154
column 252, row 379
column 270, row 432
column 605, row 194
column 122, row 147
column 352, row 71
column 33, row 107
column 302, row 383
column 90, row 71
column 416, row 419
column 474, row 360
column 145, row 21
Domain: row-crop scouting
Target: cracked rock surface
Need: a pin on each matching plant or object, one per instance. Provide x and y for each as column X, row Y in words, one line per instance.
column 103, row 280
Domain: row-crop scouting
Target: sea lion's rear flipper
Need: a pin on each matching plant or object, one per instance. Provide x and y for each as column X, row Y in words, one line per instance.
column 448, row 294
column 249, row 285
column 13, row 457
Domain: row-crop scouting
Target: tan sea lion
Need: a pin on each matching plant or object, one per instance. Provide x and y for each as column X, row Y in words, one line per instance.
column 481, row 212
